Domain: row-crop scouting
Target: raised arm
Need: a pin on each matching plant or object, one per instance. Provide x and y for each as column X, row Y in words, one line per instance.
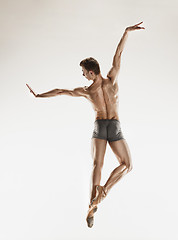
column 120, row 48
column 117, row 57
column 112, row 74
column 76, row 92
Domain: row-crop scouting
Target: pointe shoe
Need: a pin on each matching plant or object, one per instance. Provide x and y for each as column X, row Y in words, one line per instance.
column 90, row 216
column 100, row 195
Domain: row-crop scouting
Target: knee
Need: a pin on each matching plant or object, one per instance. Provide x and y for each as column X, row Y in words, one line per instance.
column 97, row 165
column 129, row 167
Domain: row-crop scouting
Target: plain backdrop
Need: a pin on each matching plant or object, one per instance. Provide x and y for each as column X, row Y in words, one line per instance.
column 46, row 162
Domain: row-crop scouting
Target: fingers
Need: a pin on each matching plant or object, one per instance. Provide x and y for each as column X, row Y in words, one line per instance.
column 136, row 26
column 139, row 28
column 139, row 23
column 29, row 88
column 27, row 85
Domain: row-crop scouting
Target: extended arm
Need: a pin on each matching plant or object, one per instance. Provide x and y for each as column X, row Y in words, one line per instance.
column 120, row 48
column 117, row 57
column 112, row 74
column 76, row 92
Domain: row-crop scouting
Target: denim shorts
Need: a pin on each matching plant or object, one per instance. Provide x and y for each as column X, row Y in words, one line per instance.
column 108, row 129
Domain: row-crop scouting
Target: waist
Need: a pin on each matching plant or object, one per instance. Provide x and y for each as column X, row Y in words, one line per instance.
column 107, row 119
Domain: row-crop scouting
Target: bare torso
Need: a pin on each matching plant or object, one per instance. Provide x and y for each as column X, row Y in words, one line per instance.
column 104, row 99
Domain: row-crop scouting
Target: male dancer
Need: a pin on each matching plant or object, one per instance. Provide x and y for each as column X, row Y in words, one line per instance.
column 103, row 94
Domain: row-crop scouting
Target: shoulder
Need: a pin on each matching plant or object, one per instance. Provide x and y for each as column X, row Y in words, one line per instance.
column 113, row 82
column 81, row 91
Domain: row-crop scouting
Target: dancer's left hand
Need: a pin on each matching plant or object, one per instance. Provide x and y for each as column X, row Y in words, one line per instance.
column 36, row 95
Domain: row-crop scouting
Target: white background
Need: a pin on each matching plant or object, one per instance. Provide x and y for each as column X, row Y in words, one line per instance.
column 46, row 164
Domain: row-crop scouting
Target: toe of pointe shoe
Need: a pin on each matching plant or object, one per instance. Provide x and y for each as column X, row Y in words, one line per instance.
column 90, row 221
column 90, row 217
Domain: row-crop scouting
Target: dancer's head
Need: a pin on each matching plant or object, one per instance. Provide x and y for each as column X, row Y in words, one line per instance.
column 90, row 68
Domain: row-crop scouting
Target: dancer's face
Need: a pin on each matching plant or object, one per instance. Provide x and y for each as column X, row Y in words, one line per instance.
column 88, row 74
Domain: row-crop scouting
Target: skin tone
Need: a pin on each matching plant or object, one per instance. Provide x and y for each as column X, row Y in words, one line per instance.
column 103, row 95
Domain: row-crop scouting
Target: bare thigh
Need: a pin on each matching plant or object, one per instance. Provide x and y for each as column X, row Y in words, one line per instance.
column 122, row 152
column 98, row 149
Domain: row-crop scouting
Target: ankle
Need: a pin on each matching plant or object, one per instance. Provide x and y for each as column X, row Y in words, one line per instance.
column 105, row 190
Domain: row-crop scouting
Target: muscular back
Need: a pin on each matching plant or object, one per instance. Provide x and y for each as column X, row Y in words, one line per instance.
column 104, row 99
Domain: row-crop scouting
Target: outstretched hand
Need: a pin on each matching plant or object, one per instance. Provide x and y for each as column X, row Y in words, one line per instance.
column 134, row 27
column 36, row 95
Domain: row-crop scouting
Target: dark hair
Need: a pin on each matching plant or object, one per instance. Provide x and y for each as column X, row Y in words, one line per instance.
column 91, row 64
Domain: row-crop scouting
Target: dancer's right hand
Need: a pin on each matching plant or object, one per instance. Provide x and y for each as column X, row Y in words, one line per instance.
column 134, row 27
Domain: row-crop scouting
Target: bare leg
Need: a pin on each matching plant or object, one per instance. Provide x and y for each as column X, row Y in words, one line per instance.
column 122, row 152
column 98, row 152
column 96, row 177
column 115, row 176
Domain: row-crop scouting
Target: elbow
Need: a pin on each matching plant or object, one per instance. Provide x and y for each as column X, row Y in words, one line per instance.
column 117, row 61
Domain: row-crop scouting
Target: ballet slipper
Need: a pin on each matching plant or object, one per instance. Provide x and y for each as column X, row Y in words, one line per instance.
column 90, row 216
column 100, row 195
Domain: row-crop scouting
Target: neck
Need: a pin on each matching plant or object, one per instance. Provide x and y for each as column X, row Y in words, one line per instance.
column 97, row 79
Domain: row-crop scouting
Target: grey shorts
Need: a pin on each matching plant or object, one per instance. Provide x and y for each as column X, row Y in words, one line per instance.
column 108, row 129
